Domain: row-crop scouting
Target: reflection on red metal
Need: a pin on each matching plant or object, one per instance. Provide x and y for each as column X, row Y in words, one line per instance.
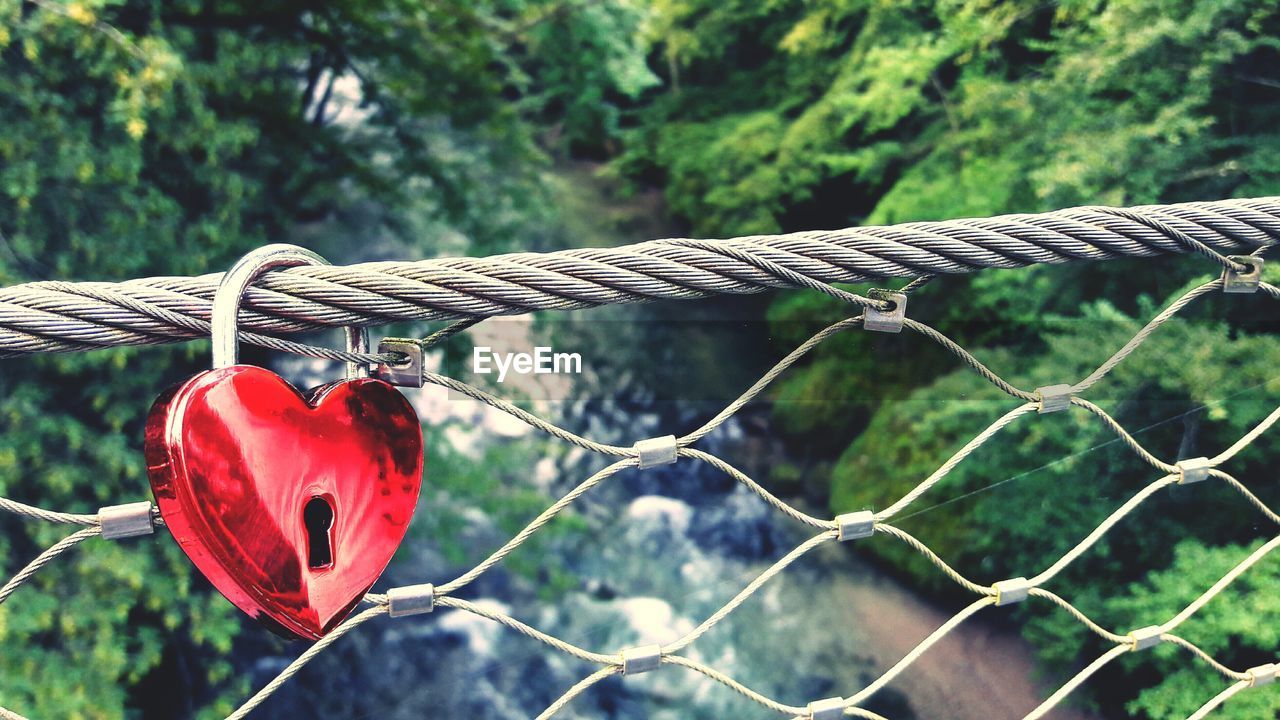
column 235, row 457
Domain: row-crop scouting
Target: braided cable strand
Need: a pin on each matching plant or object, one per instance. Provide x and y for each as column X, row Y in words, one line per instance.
column 1125, row 437
column 45, row 558
column 79, row 316
column 573, row 692
column 1126, row 644
column 347, row 626
column 852, row 710
column 611, row 661
column 1219, row 699
column 34, row 513
column 57, row 316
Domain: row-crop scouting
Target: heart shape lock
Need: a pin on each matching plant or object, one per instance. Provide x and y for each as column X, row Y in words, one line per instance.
column 246, row 472
column 290, row 505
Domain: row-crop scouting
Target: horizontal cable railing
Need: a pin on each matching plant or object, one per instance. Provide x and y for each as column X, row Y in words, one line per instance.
column 57, row 316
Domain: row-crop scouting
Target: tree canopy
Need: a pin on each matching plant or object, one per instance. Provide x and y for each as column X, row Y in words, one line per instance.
column 144, row 138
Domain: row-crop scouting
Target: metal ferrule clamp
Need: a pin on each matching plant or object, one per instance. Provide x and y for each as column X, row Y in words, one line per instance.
column 828, row 709
column 1246, row 281
column 890, row 319
column 123, row 521
column 641, row 659
column 411, row 600
column 656, row 451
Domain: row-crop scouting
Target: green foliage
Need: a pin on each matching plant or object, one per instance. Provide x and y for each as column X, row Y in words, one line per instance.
column 786, row 115
column 1027, row 478
column 590, row 57
column 907, row 111
column 1037, row 488
column 1236, row 623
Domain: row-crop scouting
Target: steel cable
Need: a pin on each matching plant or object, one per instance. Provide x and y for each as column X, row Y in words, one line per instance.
column 75, row 316
column 58, row 316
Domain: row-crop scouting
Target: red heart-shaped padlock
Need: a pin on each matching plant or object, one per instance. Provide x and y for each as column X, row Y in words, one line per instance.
column 291, row 507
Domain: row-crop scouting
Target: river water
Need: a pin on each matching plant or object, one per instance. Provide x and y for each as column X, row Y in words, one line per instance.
column 642, row 558
column 647, row 556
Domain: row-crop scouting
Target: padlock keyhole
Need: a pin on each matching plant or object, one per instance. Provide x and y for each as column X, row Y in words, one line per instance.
column 317, row 517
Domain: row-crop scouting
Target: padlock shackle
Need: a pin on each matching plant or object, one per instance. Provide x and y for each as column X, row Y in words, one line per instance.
column 226, row 302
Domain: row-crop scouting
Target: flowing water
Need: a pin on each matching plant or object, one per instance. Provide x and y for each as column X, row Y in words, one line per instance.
column 649, row 555
column 645, row 557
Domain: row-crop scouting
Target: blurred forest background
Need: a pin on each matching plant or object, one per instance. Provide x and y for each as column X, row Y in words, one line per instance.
column 140, row 137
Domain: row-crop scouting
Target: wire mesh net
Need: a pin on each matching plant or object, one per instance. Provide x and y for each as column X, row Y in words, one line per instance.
column 409, row 604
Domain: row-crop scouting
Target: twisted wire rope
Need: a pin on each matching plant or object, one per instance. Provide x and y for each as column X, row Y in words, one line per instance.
column 45, row 558
column 1118, row 440
column 1128, row 644
column 34, row 513
column 582, row 686
column 59, row 316
column 1219, row 699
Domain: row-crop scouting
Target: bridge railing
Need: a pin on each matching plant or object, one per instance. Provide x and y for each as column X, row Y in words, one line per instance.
column 66, row 317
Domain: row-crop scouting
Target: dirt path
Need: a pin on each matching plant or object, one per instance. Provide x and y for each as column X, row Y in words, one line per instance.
column 980, row 671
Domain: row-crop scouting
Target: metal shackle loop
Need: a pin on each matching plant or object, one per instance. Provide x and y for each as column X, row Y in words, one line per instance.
column 226, row 303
